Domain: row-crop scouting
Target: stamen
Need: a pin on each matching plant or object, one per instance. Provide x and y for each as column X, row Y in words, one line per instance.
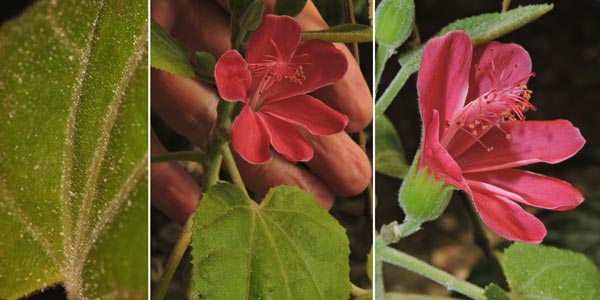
column 274, row 68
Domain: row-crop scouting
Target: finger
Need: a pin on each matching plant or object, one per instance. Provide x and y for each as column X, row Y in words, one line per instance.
column 200, row 25
column 349, row 95
column 188, row 106
column 173, row 191
column 278, row 171
column 340, row 163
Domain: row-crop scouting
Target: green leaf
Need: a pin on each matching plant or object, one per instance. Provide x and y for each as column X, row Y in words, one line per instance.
column 289, row 7
column 577, row 230
column 482, row 28
column 369, row 265
column 168, row 54
column 345, row 33
column 394, row 20
column 73, row 188
column 206, row 66
column 252, row 16
column 542, row 272
column 494, row 292
column 389, row 155
column 286, row 248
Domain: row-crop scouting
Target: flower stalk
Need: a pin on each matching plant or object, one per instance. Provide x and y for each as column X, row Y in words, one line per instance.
column 174, row 259
column 403, row 260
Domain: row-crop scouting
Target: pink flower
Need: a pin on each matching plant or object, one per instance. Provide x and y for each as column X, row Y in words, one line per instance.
column 272, row 82
column 472, row 103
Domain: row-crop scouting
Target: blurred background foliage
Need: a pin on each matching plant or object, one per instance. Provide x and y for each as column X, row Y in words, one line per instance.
column 565, row 50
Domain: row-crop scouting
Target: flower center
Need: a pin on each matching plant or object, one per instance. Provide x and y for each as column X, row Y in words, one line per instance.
column 273, row 69
column 490, row 110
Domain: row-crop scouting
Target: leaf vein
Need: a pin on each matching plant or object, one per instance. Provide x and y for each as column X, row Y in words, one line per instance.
column 37, row 235
column 280, row 262
column 110, row 120
column 67, row 159
column 329, row 228
column 542, row 271
column 109, row 213
column 300, row 255
column 250, row 244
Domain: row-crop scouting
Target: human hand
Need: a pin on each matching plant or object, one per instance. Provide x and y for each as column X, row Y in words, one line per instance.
column 339, row 166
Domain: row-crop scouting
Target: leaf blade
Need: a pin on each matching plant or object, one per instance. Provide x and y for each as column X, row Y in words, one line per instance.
column 389, row 155
column 269, row 242
column 168, row 54
column 535, row 271
column 77, row 133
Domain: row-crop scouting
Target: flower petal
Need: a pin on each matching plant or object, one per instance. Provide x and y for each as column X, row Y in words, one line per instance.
column 497, row 65
column 530, row 142
column 232, row 77
column 276, row 36
column 287, row 140
column 309, row 113
column 320, row 63
column 250, row 137
column 436, row 158
column 531, row 188
column 507, row 218
column 443, row 77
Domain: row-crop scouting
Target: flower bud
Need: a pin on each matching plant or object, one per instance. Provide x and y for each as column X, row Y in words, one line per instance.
column 423, row 197
column 394, row 20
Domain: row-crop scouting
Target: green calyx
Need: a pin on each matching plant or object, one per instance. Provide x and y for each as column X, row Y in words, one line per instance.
column 423, row 197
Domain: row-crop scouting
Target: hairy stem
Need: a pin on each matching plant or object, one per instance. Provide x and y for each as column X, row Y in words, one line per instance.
column 357, row 291
column 505, row 5
column 379, row 288
column 233, row 170
column 218, row 140
column 392, row 90
column 403, row 260
column 381, row 57
column 180, row 246
column 219, row 137
column 192, row 155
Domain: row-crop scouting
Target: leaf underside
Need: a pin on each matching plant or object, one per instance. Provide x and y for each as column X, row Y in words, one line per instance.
column 286, row 248
column 483, row 28
column 73, row 156
column 537, row 272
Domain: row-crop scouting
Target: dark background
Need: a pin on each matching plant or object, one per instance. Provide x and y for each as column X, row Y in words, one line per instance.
column 564, row 46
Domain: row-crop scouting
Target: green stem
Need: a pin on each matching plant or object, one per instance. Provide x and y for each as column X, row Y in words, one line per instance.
column 381, row 57
column 357, row 291
column 393, row 232
column 401, row 259
column 392, row 90
column 219, row 138
column 379, row 287
column 349, row 17
column 505, row 5
column 192, row 155
column 180, row 246
column 361, row 139
column 233, row 170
